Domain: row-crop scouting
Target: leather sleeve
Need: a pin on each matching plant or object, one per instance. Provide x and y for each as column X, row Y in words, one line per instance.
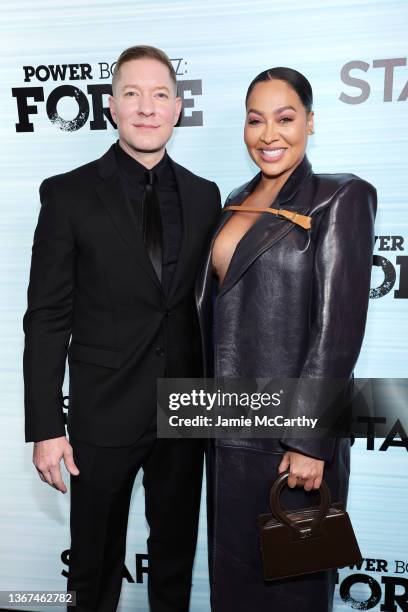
column 47, row 321
column 340, row 294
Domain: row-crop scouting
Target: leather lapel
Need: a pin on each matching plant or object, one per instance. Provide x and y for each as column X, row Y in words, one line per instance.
column 111, row 194
column 267, row 230
column 205, row 275
column 263, row 235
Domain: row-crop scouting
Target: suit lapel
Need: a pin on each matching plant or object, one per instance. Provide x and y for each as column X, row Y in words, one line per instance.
column 186, row 194
column 111, row 194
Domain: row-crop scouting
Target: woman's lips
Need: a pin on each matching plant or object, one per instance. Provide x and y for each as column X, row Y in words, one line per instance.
column 145, row 126
column 271, row 155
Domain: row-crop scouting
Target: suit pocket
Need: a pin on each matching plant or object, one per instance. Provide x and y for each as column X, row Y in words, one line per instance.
column 97, row 356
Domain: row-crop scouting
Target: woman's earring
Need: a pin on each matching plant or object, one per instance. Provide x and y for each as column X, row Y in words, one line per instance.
column 311, row 132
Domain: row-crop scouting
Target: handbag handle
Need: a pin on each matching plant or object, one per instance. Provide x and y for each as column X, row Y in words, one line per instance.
column 274, row 500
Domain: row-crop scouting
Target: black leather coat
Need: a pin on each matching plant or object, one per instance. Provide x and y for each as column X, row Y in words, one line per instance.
column 294, row 302
column 293, row 305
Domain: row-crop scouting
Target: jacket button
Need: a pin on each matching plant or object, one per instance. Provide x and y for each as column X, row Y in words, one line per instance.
column 160, row 351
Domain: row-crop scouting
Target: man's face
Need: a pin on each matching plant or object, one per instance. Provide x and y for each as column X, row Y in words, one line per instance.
column 145, row 107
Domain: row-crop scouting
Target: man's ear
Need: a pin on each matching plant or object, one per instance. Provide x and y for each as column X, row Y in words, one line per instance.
column 112, row 107
column 179, row 106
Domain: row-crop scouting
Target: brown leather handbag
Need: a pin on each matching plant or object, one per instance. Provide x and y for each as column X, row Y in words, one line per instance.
column 307, row 540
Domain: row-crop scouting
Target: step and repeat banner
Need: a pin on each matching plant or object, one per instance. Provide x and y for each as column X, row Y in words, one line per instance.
column 56, row 66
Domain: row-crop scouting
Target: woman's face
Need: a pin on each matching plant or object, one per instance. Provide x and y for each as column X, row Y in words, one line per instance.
column 276, row 128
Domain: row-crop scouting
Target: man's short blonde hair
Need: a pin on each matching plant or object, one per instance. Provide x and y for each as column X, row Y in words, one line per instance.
column 142, row 52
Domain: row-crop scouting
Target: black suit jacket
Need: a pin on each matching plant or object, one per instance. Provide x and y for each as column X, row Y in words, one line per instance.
column 92, row 282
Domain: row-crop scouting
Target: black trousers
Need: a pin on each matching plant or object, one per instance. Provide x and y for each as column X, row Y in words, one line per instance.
column 100, row 498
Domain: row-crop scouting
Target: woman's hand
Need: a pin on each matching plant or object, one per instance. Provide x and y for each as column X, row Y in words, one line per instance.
column 303, row 471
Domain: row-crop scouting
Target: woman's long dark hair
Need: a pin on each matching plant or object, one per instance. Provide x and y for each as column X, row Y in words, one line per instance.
column 292, row 77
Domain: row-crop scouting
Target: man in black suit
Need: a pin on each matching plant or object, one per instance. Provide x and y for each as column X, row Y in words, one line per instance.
column 114, row 260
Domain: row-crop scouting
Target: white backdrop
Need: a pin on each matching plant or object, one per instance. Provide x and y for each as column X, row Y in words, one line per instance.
column 354, row 53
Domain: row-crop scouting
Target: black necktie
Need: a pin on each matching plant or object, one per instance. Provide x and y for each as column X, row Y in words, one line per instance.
column 152, row 225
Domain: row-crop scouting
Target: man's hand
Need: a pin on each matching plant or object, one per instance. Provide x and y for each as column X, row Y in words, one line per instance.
column 303, row 471
column 47, row 455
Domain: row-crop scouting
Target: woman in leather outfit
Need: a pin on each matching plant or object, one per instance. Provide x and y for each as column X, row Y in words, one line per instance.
column 277, row 300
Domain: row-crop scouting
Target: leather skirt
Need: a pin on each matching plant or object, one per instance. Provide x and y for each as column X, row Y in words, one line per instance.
column 239, row 477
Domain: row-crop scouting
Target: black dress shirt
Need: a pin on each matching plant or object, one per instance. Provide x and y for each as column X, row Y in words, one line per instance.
column 132, row 176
